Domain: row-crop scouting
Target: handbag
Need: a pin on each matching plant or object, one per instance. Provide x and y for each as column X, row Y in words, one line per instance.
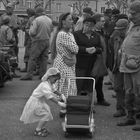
column 70, row 61
column 99, row 69
column 132, row 61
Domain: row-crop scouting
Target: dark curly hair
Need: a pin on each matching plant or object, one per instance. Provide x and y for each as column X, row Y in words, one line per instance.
column 61, row 19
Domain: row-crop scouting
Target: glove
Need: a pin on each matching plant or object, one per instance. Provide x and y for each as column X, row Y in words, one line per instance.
column 63, row 98
column 62, row 104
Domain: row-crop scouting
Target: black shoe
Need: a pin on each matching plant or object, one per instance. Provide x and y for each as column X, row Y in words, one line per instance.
column 110, row 88
column 103, row 103
column 138, row 116
column 26, row 77
column 127, row 122
column 15, row 75
column 119, row 113
column 107, row 83
column 137, row 128
column 113, row 96
column 36, row 73
column 23, row 70
column 1, row 84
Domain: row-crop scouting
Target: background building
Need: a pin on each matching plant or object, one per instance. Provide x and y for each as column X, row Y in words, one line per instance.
column 55, row 7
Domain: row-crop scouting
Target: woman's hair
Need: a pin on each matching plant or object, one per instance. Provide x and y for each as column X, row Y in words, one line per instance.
column 60, row 26
column 61, row 19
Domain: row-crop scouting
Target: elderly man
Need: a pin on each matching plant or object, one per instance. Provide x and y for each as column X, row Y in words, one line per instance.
column 39, row 31
column 130, row 64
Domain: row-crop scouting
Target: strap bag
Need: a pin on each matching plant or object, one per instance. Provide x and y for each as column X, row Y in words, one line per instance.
column 132, row 61
column 70, row 61
column 99, row 69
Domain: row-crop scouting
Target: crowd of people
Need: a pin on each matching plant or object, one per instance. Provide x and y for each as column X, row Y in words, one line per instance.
column 75, row 44
column 9, row 25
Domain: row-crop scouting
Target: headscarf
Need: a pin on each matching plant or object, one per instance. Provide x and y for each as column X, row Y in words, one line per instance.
column 50, row 72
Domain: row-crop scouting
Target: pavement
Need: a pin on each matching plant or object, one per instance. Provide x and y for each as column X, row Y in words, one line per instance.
column 14, row 96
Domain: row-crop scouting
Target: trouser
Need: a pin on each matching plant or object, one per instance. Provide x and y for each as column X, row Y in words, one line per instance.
column 27, row 50
column 132, row 89
column 119, row 89
column 39, row 51
column 111, row 77
column 87, row 85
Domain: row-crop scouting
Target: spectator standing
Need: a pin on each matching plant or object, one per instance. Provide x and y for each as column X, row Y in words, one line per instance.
column 39, row 31
column 117, row 39
column 89, row 46
column 98, row 28
column 65, row 56
column 65, row 47
column 27, row 43
column 7, row 39
column 14, row 23
column 130, row 64
column 107, row 32
column 110, row 51
column 6, row 33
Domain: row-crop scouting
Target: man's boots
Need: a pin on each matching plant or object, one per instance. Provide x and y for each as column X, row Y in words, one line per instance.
column 130, row 120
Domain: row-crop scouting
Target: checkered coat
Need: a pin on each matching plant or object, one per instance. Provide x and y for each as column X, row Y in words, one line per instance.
column 65, row 46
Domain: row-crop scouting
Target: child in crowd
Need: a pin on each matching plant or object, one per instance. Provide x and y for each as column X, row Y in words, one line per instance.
column 36, row 108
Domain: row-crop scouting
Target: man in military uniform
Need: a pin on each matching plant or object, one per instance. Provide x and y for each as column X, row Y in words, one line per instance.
column 13, row 24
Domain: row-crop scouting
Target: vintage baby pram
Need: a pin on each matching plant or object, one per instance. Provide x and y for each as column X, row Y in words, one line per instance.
column 79, row 112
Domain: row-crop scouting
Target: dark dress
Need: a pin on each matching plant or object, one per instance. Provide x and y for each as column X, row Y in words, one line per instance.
column 85, row 61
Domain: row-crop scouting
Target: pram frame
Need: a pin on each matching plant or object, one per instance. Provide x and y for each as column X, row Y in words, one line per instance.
column 91, row 125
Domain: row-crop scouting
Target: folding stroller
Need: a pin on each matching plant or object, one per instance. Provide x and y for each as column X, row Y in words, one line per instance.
column 79, row 112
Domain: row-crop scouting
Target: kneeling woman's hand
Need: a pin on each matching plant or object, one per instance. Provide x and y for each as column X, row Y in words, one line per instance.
column 62, row 104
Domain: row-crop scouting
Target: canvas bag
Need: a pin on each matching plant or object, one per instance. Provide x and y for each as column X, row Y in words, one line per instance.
column 99, row 69
column 132, row 61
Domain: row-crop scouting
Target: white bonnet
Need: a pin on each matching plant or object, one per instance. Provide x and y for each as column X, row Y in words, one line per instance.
column 51, row 71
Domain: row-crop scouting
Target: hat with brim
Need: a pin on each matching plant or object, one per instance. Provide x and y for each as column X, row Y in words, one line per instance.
column 88, row 10
column 90, row 19
column 108, row 11
column 121, row 24
column 39, row 10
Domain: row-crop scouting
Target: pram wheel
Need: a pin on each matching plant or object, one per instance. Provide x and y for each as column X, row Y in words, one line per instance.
column 62, row 115
column 91, row 134
column 66, row 134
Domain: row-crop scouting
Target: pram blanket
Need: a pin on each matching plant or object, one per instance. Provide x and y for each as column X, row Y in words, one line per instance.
column 78, row 105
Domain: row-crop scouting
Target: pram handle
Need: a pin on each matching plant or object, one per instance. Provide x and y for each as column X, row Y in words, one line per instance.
column 84, row 78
